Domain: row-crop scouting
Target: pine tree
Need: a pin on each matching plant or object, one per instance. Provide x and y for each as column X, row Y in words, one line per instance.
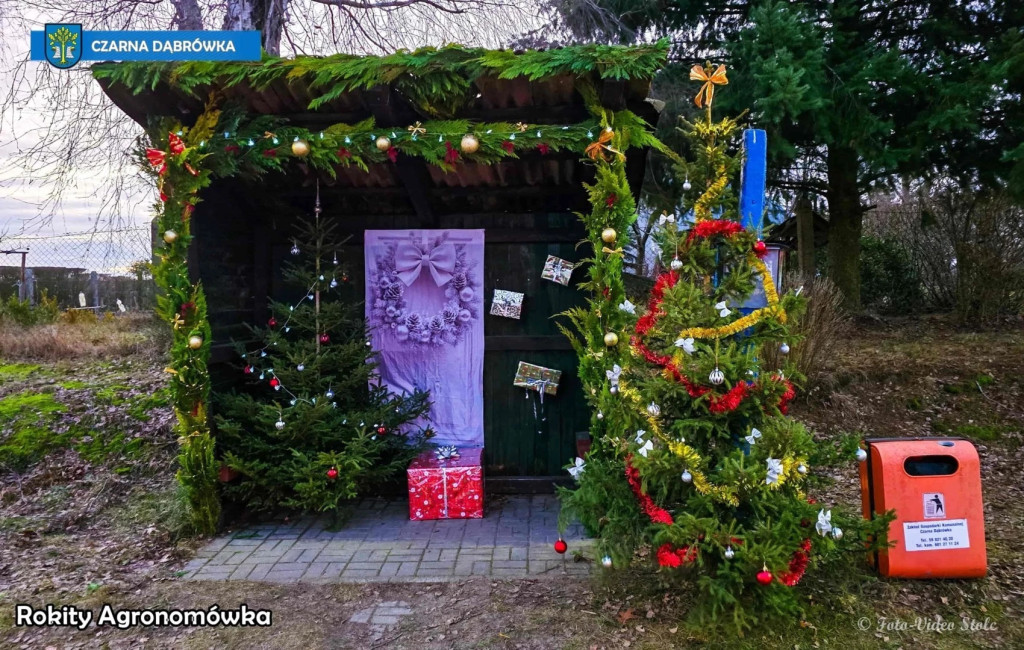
column 314, row 430
column 696, row 466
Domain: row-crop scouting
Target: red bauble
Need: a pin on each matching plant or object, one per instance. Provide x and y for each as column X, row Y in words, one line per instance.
column 247, row 370
column 760, row 248
column 275, row 382
column 764, row 577
column 272, row 322
column 324, row 339
column 382, row 429
column 561, row 546
column 332, row 474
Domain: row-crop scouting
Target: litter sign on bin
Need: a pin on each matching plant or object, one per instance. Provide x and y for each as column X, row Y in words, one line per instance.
column 934, row 505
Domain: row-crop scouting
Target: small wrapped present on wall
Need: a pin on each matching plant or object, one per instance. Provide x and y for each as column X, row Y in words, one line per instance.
column 446, row 483
column 557, row 270
column 507, row 303
column 538, row 378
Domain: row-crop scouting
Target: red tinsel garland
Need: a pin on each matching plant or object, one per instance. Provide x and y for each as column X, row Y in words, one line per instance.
column 657, row 514
column 393, row 154
column 714, row 227
column 797, row 565
column 667, row 556
column 717, row 404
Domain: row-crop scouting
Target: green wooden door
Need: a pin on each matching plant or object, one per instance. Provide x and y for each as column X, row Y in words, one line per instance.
column 520, row 438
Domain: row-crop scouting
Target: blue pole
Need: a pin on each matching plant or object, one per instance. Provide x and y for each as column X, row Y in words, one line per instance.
column 752, row 182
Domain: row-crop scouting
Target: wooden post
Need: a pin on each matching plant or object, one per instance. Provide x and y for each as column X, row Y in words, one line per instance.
column 752, row 182
column 94, row 288
column 805, row 235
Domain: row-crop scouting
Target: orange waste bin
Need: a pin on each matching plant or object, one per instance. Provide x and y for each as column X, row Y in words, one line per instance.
column 934, row 485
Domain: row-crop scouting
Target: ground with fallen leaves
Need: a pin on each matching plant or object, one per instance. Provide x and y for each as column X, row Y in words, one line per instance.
column 95, row 521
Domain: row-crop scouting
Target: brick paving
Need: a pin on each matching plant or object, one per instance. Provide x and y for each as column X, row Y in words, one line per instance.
column 379, row 544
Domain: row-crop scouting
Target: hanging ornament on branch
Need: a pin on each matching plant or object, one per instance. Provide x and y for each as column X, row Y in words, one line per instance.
column 300, row 147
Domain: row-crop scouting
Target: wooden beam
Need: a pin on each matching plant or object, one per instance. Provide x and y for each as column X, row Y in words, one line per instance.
column 613, row 94
column 526, row 343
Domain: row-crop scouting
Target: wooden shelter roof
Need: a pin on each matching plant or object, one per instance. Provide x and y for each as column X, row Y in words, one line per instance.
column 531, row 182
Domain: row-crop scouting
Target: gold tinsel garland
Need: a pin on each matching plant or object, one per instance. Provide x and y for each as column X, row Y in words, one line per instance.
column 751, row 319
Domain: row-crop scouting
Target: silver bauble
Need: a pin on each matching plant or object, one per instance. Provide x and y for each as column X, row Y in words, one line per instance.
column 675, row 264
column 729, row 553
column 837, row 533
column 687, row 476
column 717, row 377
column 600, row 415
column 862, row 455
column 653, row 410
column 279, row 424
column 784, row 348
column 606, row 561
column 801, row 468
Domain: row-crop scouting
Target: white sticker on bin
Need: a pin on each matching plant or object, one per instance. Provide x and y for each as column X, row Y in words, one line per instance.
column 936, row 535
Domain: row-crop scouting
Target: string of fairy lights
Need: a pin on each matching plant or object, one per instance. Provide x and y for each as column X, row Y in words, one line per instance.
column 513, row 137
column 310, row 294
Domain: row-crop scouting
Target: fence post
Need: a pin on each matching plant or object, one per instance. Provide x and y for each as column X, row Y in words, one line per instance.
column 94, row 288
column 30, row 286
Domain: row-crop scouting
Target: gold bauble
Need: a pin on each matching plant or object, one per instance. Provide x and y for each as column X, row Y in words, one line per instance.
column 611, row 339
column 469, row 143
column 383, row 143
column 300, row 148
column 608, row 235
column 195, row 342
column 170, row 236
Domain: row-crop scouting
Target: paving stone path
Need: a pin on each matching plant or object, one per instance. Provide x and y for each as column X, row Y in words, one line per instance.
column 379, row 544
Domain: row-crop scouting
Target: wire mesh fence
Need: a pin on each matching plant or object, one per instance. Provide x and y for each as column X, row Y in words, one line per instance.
column 102, row 270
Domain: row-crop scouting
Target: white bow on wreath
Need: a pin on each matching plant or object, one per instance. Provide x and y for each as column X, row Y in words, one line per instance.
column 410, row 258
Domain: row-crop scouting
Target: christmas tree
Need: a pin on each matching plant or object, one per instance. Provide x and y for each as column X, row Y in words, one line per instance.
column 695, row 465
column 314, row 430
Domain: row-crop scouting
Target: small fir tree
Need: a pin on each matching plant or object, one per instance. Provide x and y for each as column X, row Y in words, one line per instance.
column 695, row 465
column 314, row 430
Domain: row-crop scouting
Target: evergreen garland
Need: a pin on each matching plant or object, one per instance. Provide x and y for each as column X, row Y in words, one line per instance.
column 438, row 80
column 227, row 142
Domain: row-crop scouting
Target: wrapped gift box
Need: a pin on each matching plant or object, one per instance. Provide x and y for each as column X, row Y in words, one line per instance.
column 507, row 303
column 537, row 378
column 557, row 270
column 446, row 489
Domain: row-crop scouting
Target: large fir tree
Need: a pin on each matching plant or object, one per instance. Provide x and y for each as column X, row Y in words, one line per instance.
column 696, row 465
column 853, row 93
column 314, row 429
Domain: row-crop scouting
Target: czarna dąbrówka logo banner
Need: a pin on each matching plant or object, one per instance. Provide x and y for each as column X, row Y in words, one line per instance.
column 63, row 45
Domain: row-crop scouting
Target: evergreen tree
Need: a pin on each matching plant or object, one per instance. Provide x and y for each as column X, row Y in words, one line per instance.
column 695, row 464
column 314, row 430
column 853, row 93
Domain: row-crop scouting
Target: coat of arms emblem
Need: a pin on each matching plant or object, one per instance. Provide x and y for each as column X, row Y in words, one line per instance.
column 63, row 44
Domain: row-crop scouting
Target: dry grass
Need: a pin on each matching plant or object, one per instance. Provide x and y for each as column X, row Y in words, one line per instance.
column 88, row 337
column 821, row 329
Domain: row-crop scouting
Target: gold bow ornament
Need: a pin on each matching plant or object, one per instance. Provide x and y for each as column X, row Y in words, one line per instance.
column 707, row 92
column 416, row 130
column 600, row 146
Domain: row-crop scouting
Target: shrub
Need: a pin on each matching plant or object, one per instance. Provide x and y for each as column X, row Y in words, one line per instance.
column 820, row 328
column 889, row 279
column 23, row 313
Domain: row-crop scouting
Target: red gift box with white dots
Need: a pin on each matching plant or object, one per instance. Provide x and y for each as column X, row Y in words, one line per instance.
column 446, row 489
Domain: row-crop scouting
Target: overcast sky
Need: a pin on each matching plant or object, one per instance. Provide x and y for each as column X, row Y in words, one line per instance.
column 23, row 195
